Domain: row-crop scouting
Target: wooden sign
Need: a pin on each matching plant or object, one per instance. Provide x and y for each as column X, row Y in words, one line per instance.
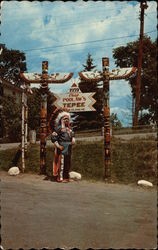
column 75, row 100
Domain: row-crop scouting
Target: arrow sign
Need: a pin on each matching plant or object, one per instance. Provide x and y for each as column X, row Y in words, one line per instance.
column 75, row 100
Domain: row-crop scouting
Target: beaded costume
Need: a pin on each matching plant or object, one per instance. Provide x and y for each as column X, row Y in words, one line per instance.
column 63, row 139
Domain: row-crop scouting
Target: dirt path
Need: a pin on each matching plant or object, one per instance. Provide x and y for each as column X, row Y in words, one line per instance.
column 37, row 214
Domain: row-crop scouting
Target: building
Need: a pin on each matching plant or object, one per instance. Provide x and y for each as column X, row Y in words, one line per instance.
column 8, row 89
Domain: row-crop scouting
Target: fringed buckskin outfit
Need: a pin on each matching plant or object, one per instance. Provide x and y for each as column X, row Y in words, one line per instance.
column 63, row 138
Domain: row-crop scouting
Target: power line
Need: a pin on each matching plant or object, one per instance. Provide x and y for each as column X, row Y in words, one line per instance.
column 77, row 50
column 92, row 41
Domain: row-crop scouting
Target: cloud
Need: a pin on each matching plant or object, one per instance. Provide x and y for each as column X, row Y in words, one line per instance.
column 123, row 114
column 120, row 88
column 55, row 25
column 47, row 19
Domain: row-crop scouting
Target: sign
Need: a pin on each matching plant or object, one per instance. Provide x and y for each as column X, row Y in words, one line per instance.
column 75, row 100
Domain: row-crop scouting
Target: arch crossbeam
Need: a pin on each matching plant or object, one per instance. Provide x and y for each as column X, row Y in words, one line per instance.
column 53, row 78
column 115, row 74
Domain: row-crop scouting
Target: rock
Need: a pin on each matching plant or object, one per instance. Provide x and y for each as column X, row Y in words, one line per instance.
column 13, row 171
column 75, row 175
column 145, row 183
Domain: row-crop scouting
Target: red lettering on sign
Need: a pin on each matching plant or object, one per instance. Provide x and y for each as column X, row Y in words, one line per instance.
column 78, row 98
column 73, row 104
column 81, row 104
column 68, row 99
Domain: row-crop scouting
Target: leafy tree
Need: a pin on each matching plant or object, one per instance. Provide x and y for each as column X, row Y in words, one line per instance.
column 34, row 106
column 115, row 122
column 127, row 56
column 92, row 119
column 34, row 109
column 11, row 116
column 11, row 63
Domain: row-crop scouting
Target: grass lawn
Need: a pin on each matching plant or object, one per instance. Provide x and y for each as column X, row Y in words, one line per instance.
column 130, row 161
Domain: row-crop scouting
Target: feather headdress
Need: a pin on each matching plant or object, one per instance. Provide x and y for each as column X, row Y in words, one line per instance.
column 56, row 118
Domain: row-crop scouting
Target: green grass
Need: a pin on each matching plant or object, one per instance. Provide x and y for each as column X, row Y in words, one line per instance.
column 134, row 160
column 130, row 161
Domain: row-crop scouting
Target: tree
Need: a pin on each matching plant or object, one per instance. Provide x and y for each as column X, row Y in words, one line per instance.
column 34, row 107
column 11, row 116
column 115, row 122
column 89, row 64
column 127, row 56
column 11, row 63
column 93, row 119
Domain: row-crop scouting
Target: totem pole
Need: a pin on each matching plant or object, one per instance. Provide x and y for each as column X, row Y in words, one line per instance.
column 44, row 79
column 43, row 117
column 106, row 110
column 106, row 76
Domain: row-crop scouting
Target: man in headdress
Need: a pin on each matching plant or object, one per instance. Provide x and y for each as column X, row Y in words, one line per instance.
column 63, row 139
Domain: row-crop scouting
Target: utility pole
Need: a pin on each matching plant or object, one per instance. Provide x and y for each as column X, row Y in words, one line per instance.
column 143, row 6
column 0, row 15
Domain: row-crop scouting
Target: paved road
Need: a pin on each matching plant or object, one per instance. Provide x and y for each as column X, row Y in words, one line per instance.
column 140, row 136
column 37, row 214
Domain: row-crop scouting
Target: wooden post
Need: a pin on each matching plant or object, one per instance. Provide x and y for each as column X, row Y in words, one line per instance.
column 25, row 122
column 106, row 109
column 43, row 117
column 23, row 132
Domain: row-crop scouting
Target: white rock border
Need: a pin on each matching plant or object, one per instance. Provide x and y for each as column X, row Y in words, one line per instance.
column 13, row 171
column 145, row 183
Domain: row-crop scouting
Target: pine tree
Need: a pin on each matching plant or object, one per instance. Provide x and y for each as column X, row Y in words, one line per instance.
column 92, row 119
column 89, row 64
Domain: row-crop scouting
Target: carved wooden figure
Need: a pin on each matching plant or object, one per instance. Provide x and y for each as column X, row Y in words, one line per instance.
column 44, row 79
column 106, row 76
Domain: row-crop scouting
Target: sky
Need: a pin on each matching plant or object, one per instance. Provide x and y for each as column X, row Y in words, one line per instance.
column 63, row 33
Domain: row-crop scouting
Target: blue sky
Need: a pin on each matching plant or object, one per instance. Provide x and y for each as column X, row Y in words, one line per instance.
column 65, row 32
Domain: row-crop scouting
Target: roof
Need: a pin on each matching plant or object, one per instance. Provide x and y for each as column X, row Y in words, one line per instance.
column 9, row 85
